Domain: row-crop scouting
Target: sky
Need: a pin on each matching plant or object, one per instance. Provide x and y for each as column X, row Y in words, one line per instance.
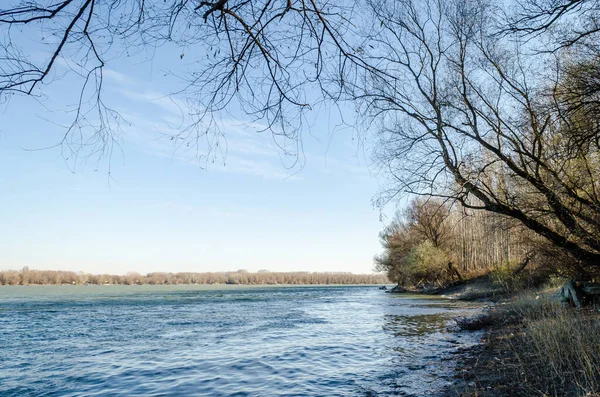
column 151, row 207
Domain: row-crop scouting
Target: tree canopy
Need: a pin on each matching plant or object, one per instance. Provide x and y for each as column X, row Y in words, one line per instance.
column 492, row 106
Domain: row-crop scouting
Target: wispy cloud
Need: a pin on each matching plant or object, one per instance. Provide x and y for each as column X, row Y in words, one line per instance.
column 66, row 63
column 354, row 164
column 260, row 168
column 117, row 76
column 241, row 153
column 197, row 211
column 164, row 130
column 166, row 102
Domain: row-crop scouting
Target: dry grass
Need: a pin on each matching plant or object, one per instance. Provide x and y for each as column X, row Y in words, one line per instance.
column 538, row 347
column 564, row 349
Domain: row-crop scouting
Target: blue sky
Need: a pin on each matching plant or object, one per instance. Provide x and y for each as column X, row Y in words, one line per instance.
column 158, row 209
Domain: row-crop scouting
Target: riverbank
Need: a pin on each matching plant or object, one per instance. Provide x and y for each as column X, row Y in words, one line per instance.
column 476, row 289
column 533, row 345
column 28, row 276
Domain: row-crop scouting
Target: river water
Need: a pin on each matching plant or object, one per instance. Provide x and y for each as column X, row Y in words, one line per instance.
column 225, row 341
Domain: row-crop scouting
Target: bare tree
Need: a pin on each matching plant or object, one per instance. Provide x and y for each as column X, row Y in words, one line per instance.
column 570, row 29
column 471, row 117
column 463, row 113
column 568, row 22
column 40, row 277
column 429, row 218
column 268, row 57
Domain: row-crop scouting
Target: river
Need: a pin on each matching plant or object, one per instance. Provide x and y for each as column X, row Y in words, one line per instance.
column 225, row 341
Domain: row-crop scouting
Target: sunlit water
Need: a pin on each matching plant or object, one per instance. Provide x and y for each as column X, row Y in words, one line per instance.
column 235, row 341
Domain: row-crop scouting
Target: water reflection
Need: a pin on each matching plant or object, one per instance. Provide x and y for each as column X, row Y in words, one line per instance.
column 416, row 325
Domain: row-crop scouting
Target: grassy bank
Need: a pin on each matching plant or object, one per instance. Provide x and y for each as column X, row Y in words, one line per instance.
column 534, row 346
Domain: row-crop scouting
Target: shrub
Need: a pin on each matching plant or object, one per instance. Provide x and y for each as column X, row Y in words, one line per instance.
column 535, row 276
column 426, row 264
column 505, row 278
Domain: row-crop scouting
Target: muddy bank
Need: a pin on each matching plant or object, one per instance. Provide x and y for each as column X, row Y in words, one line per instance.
column 476, row 289
column 490, row 368
column 477, row 371
column 474, row 365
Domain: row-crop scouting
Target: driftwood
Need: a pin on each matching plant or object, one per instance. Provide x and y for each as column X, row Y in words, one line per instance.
column 579, row 294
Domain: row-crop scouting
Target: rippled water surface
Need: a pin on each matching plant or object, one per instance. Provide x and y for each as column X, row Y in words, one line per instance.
column 234, row 341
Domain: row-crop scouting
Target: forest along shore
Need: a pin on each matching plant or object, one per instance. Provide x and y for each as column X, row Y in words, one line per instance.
column 542, row 324
column 27, row 276
column 534, row 344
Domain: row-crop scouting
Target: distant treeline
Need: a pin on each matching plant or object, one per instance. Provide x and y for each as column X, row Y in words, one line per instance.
column 57, row 277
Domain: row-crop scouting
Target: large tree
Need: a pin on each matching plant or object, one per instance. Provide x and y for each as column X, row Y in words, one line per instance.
column 466, row 103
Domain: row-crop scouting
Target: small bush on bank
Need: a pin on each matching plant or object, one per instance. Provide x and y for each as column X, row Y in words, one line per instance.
column 425, row 264
column 505, row 278
column 508, row 280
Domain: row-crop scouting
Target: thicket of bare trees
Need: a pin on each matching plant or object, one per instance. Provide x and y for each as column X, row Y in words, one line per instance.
column 53, row 277
column 433, row 243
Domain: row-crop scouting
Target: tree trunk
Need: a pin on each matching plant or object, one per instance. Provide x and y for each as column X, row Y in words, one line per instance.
column 571, row 294
column 454, row 271
column 522, row 265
